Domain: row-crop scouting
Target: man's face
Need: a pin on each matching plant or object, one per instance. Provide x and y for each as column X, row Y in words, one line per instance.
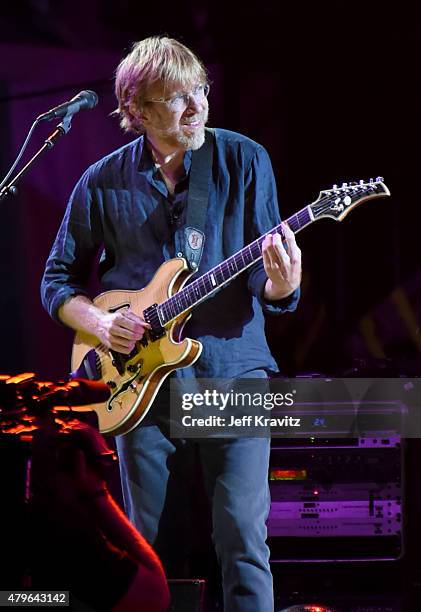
column 180, row 121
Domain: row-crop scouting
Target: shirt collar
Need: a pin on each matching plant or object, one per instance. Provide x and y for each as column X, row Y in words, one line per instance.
column 146, row 163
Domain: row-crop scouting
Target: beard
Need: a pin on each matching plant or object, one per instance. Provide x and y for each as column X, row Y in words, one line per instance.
column 191, row 141
column 182, row 136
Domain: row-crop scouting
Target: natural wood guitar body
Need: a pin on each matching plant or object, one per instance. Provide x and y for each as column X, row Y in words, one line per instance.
column 135, row 388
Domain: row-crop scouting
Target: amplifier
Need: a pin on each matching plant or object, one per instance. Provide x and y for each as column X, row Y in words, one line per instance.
column 336, row 499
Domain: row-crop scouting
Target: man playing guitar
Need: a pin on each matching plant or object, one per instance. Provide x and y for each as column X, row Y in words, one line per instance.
column 132, row 204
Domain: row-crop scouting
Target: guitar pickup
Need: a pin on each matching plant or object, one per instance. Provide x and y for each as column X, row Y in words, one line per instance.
column 151, row 316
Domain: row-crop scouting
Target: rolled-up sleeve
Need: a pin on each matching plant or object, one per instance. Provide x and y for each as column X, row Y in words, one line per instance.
column 69, row 264
column 263, row 212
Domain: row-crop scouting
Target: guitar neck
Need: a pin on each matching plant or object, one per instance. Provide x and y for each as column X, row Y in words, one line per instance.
column 213, row 280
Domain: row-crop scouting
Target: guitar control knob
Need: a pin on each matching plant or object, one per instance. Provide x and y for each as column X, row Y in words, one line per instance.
column 111, row 384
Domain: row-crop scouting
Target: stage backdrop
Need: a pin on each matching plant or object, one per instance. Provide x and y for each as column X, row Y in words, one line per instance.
column 33, row 80
column 324, row 117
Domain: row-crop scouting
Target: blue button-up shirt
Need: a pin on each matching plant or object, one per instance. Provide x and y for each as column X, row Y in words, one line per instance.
column 122, row 206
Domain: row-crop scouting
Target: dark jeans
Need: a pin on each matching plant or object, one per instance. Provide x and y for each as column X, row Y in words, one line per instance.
column 235, row 472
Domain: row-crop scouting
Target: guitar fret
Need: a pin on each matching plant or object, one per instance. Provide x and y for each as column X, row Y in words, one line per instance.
column 255, row 249
column 172, row 309
column 203, row 286
column 219, row 275
column 223, row 272
column 221, row 269
column 239, row 264
column 303, row 218
column 248, row 258
column 201, row 289
column 294, row 222
column 209, row 282
column 164, row 311
column 189, row 297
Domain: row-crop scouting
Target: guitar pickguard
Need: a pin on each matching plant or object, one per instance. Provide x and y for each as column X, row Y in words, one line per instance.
column 90, row 367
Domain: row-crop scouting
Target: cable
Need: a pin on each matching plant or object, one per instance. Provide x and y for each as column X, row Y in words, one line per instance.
column 21, row 152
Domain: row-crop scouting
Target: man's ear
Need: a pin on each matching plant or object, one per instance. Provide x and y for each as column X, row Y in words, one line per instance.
column 141, row 114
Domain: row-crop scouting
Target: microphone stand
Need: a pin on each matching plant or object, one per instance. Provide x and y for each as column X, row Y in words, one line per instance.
column 61, row 130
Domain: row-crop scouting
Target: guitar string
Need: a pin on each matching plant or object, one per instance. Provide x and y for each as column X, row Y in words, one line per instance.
column 231, row 266
column 235, row 264
column 299, row 219
column 190, row 293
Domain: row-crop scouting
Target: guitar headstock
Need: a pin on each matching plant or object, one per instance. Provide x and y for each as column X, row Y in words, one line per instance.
column 337, row 202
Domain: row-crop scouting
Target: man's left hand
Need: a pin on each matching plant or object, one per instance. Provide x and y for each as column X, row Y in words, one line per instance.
column 282, row 264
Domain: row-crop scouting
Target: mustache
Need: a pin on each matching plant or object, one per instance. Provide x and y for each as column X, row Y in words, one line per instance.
column 203, row 116
column 175, row 129
column 194, row 119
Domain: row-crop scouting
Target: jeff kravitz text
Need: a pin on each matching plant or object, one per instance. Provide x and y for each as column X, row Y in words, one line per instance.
column 244, row 421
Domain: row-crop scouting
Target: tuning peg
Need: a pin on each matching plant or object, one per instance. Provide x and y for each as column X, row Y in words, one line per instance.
column 353, row 183
column 344, row 185
column 379, row 179
column 361, row 182
column 371, row 180
column 334, row 187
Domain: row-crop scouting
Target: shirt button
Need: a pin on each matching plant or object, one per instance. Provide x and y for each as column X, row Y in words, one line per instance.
column 179, row 254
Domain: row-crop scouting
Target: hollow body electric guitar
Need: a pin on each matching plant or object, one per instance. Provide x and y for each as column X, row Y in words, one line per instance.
column 166, row 304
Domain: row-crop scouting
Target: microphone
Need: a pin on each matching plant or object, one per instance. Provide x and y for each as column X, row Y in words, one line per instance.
column 84, row 99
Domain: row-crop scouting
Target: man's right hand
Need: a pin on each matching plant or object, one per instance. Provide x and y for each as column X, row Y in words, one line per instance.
column 119, row 331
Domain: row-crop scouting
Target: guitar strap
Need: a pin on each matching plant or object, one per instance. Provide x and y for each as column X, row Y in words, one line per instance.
column 193, row 238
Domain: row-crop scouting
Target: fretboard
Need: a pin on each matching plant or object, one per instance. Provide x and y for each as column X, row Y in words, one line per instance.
column 203, row 287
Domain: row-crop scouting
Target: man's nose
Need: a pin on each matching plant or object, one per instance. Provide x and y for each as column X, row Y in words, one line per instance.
column 194, row 104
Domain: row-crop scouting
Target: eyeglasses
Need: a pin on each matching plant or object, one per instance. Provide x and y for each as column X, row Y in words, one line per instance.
column 182, row 100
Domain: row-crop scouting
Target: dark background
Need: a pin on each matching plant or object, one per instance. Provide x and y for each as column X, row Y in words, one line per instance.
column 330, row 89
